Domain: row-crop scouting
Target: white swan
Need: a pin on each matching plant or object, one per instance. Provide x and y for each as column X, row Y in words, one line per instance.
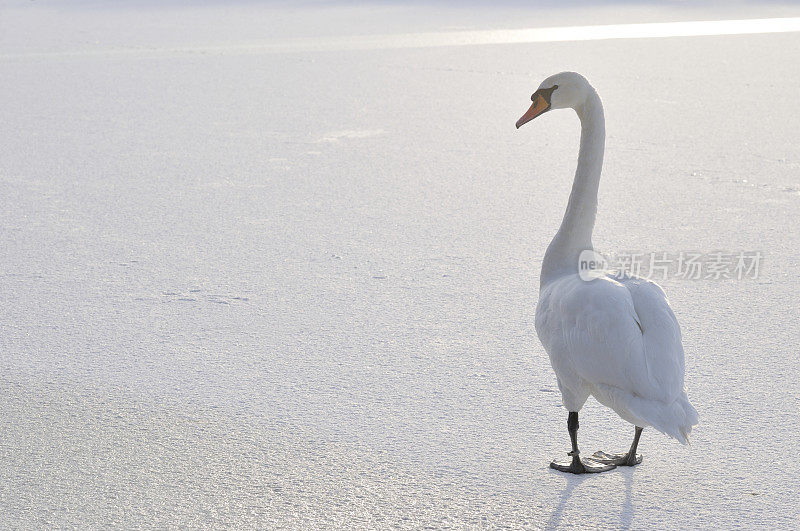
column 613, row 337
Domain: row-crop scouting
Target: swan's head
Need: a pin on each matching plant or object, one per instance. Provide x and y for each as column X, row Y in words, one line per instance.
column 567, row 90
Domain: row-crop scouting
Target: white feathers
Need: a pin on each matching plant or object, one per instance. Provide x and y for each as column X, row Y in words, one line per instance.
column 613, row 337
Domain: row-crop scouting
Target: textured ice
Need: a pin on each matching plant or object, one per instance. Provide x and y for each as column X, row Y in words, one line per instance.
column 298, row 287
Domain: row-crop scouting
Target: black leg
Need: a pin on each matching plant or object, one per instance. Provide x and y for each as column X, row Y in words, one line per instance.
column 576, row 465
column 629, row 459
column 634, row 444
column 572, row 427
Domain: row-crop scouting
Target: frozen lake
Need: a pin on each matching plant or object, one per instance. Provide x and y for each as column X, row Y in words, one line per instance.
column 278, row 266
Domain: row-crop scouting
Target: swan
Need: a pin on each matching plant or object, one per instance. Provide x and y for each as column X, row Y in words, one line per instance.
column 609, row 335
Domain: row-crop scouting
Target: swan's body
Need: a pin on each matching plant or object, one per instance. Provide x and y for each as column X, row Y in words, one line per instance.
column 613, row 337
column 617, row 340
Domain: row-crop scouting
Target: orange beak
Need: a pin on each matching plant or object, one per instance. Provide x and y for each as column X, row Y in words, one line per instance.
column 539, row 106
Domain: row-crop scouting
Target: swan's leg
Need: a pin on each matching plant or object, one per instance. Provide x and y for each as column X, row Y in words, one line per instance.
column 629, row 459
column 576, row 465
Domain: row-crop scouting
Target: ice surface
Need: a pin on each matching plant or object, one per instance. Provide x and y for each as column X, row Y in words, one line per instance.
column 298, row 287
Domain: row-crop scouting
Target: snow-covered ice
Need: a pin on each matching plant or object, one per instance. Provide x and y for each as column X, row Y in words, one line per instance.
column 247, row 280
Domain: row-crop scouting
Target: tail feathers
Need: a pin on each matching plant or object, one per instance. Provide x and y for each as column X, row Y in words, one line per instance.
column 677, row 419
column 674, row 419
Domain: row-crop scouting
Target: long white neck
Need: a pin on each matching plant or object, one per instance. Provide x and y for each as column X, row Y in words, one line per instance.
column 575, row 233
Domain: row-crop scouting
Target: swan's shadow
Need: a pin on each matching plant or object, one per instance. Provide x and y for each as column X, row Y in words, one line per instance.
column 627, row 510
column 626, row 517
column 572, row 482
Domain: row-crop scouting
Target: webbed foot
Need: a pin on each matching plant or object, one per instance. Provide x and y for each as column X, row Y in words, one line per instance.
column 626, row 459
column 576, row 465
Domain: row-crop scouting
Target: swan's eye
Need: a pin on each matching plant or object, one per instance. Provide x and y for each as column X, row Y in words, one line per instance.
column 533, row 97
